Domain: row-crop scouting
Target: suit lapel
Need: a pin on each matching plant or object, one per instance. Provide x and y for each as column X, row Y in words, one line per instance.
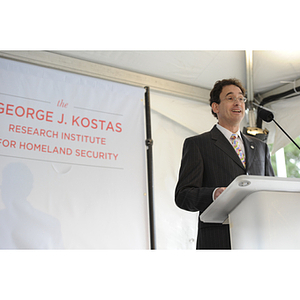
column 222, row 143
column 250, row 149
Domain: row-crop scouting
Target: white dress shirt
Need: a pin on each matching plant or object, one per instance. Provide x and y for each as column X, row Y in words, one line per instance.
column 227, row 133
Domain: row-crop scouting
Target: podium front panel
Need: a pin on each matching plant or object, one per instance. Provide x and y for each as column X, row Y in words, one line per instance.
column 266, row 220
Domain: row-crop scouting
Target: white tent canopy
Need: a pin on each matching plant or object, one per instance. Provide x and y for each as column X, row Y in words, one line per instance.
column 202, row 68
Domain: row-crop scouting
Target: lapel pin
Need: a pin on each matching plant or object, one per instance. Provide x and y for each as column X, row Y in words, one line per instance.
column 252, row 147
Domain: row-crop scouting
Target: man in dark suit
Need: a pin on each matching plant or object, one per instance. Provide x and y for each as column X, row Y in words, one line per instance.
column 211, row 161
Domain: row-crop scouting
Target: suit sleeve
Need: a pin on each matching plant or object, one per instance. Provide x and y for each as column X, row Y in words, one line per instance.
column 189, row 193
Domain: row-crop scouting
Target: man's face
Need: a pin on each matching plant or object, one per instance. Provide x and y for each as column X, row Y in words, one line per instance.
column 231, row 110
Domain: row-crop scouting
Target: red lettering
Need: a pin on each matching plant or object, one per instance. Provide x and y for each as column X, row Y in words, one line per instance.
column 75, row 121
column 55, row 150
column 11, row 127
column 49, row 116
column 13, row 144
column 110, row 126
column 119, row 129
column 87, row 122
column 40, row 114
column 9, row 109
column 22, row 145
column 22, row 111
column 101, row 121
column 7, row 143
column 95, row 125
column 28, row 112
column 36, row 131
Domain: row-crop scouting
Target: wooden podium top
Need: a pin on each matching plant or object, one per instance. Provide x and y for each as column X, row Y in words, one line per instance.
column 240, row 188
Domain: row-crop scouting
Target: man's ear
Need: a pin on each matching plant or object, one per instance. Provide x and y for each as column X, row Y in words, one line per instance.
column 215, row 107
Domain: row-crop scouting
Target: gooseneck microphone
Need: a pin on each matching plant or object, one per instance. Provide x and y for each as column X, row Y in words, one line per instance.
column 268, row 116
column 265, row 115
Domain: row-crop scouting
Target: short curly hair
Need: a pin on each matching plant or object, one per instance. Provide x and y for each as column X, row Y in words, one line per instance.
column 217, row 89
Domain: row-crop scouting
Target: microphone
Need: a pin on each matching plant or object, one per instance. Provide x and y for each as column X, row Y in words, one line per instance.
column 265, row 115
column 268, row 116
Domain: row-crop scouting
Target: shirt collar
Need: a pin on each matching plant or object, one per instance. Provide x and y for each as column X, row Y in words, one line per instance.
column 227, row 132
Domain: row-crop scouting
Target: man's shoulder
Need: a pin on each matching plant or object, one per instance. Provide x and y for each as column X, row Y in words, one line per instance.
column 204, row 136
column 199, row 137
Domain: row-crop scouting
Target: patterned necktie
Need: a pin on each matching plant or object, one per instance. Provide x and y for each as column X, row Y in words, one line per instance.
column 238, row 150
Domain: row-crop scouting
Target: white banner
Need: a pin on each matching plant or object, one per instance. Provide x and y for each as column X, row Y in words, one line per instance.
column 72, row 161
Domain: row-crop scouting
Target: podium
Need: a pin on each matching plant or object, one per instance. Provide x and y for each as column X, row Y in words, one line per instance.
column 262, row 212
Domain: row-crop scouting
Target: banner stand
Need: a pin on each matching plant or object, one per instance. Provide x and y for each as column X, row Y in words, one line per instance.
column 149, row 144
column 72, row 161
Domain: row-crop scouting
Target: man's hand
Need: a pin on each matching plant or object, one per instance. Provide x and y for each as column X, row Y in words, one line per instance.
column 218, row 192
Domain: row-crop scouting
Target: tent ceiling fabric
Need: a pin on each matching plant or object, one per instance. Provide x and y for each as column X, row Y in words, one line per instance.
column 197, row 68
column 202, row 68
column 272, row 69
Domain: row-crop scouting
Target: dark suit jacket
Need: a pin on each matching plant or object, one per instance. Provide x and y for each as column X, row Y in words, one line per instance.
column 210, row 161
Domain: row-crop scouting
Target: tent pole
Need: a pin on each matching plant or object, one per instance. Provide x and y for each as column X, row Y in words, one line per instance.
column 249, row 68
column 250, row 93
column 149, row 144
